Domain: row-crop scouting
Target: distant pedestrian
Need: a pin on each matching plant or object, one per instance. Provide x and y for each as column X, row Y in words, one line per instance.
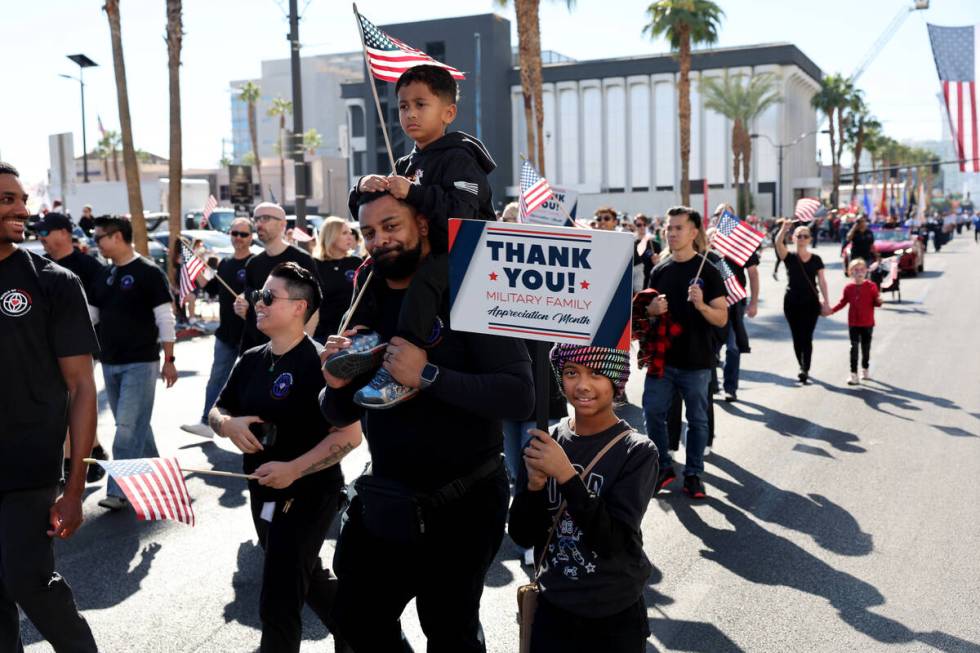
column 335, row 266
column 87, row 221
column 863, row 296
column 606, row 219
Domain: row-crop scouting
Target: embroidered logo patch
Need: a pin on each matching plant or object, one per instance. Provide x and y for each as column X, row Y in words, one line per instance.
column 282, row 385
column 240, row 275
column 127, row 282
column 15, row 303
column 349, row 275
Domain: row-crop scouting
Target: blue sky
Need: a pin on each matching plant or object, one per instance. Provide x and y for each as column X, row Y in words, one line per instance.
column 227, row 39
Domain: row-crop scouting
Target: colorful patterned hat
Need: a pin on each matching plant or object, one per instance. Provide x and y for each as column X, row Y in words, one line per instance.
column 608, row 361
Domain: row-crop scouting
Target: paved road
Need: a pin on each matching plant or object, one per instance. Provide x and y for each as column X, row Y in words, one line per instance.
column 839, row 519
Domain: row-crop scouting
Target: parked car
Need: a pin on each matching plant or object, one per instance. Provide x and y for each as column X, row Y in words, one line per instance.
column 215, row 242
column 313, row 223
column 910, row 248
column 219, row 220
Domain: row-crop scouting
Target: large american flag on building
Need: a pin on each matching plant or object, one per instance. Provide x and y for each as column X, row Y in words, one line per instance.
column 154, row 486
column 191, row 269
column 734, row 291
column 957, row 53
column 535, row 190
column 388, row 57
column 736, row 239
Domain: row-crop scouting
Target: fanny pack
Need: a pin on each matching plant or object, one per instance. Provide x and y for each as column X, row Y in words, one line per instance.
column 390, row 510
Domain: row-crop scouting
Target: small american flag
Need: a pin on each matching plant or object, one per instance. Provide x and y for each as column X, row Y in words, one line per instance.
column 735, row 291
column 955, row 50
column 155, row 487
column 806, row 208
column 192, row 268
column 209, row 208
column 388, row 57
column 736, row 239
column 535, row 191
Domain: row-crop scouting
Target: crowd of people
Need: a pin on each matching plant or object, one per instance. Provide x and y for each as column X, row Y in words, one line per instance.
column 300, row 374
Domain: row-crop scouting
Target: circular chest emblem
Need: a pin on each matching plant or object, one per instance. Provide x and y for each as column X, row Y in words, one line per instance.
column 282, row 385
column 349, row 275
column 240, row 275
column 15, row 303
column 127, row 282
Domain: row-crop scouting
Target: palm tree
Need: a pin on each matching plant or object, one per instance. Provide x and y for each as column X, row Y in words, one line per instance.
column 835, row 97
column 111, row 9
column 860, row 125
column 249, row 94
column 684, row 23
column 281, row 108
column 741, row 103
column 312, row 141
column 102, row 152
column 175, row 35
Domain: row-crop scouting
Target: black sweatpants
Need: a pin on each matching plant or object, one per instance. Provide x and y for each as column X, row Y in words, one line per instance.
column 558, row 631
column 862, row 336
column 444, row 572
column 425, row 294
column 292, row 573
column 802, row 320
column 28, row 578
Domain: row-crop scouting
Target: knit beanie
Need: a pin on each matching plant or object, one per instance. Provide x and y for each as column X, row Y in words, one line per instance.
column 607, row 361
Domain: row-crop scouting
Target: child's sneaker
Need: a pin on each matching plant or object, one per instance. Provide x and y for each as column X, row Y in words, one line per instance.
column 364, row 355
column 865, row 375
column 383, row 392
column 852, row 379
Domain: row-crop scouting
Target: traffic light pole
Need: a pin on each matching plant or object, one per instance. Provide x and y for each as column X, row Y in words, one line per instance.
column 299, row 164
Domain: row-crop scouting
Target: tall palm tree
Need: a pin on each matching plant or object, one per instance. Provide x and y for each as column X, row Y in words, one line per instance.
column 250, row 94
column 175, row 35
column 102, row 152
column 684, row 23
column 741, row 103
column 111, row 9
column 834, row 99
column 859, row 125
column 281, row 107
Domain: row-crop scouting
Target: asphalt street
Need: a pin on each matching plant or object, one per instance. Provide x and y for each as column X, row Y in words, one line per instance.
column 838, row 518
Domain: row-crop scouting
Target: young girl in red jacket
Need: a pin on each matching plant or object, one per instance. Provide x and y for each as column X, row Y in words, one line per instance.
column 862, row 296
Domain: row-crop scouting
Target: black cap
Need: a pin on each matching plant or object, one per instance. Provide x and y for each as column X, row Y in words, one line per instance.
column 53, row 221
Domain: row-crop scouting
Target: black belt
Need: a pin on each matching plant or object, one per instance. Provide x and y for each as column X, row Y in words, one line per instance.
column 460, row 486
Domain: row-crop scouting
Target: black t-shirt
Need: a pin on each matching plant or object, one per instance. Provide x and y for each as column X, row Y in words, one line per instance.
column 232, row 271
column 862, row 244
column 43, row 317
column 287, row 396
column 802, row 286
column 256, row 272
column 85, row 268
column 739, row 270
column 126, row 296
column 336, row 284
column 693, row 348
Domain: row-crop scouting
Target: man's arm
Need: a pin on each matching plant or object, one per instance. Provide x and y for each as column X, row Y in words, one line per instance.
column 66, row 513
column 753, row 307
column 715, row 312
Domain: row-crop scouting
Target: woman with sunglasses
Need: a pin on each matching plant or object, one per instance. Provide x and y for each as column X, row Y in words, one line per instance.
column 802, row 304
column 270, row 410
column 335, row 266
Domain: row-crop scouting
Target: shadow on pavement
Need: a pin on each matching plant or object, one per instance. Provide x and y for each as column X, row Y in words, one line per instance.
column 767, row 378
column 681, row 634
column 792, row 426
column 940, row 402
column 234, row 490
column 774, row 327
column 955, row 431
column 872, row 397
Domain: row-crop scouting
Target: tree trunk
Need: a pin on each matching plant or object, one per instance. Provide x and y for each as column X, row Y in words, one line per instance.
column 111, row 9
column 737, row 165
column 534, row 42
column 253, row 132
column 115, row 162
column 282, row 160
column 746, row 166
column 835, row 196
column 684, row 112
column 521, row 7
column 175, row 35
column 858, row 147
column 834, row 165
column 105, row 168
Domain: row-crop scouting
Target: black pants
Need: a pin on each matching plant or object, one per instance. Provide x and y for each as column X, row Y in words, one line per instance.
column 420, row 307
column 292, row 573
column 862, row 336
column 802, row 320
column 559, row 631
column 28, row 578
column 444, row 572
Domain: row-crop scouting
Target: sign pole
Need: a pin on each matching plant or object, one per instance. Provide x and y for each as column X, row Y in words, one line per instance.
column 542, row 386
column 374, row 90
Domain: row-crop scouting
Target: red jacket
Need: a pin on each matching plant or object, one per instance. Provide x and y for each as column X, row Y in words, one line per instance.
column 862, row 297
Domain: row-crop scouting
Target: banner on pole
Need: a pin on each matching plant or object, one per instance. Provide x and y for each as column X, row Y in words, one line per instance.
column 554, row 284
column 550, row 212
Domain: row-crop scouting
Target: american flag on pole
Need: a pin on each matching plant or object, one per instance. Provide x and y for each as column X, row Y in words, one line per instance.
column 535, row 190
column 957, row 53
column 806, row 208
column 735, row 239
column 735, row 291
column 209, row 208
column 191, row 269
column 101, row 128
column 155, row 487
column 388, row 57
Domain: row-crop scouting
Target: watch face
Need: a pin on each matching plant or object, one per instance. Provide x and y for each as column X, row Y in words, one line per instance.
column 429, row 372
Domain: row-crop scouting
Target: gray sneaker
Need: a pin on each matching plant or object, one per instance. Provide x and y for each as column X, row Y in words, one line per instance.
column 364, row 355
column 114, row 504
column 383, row 392
column 202, row 430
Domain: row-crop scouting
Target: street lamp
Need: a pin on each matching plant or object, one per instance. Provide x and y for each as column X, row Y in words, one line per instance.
column 780, row 147
column 83, row 63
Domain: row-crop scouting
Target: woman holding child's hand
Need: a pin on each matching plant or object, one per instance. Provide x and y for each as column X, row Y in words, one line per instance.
column 545, row 456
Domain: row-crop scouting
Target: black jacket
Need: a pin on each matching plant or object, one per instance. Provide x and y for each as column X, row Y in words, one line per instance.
column 450, row 181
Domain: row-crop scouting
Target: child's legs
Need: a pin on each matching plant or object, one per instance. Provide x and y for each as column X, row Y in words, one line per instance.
column 420, row 308
column 866, row 346
column 855, row 333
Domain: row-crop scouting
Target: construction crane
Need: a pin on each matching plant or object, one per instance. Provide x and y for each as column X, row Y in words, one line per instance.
column 886, row 36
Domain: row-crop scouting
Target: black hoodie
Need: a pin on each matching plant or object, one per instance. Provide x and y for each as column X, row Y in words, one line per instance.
column 450, row 181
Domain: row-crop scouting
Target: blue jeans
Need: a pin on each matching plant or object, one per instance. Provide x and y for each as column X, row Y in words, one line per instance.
column 224, row 359
column 130, row 389
column 732, row 354
column 658, row 394
column 516, row 437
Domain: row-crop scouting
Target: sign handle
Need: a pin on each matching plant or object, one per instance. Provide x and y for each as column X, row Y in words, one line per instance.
column 542, row 386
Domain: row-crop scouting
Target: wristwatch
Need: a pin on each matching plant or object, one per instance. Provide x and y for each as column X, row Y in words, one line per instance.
column 429, row 375
column 169, row 359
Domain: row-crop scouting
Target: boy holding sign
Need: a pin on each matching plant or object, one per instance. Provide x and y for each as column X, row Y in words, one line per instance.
column 445, row 176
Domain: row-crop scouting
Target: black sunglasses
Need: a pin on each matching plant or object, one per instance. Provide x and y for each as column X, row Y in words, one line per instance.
column 606, row 218
column 266, row 297
column 43, row 233
column 101, row 236
column 241, row 234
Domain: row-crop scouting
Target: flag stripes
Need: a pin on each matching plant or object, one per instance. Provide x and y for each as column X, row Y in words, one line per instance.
column 806, row 208
column 734, row 291
column 535, row 190
column 191, row 269
column 154, row 486
column 735, row 239
column 388, row 58
column 956, row 51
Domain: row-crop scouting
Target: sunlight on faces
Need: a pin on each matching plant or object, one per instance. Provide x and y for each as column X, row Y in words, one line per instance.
column 284, row 313
column 13, row 209
column 801, row 236
column 589, row 392
column 56, row 240
column 269, row 229
column 110, row 242
column 422, row 114
column 858, row 270
column 681, row 231
column 394, row 236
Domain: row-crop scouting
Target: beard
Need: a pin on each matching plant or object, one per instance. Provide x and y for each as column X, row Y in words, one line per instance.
column 400, row 266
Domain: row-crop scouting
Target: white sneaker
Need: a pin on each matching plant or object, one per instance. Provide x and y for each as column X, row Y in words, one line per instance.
column 114, row 503
column 852, row 379
column 865, row 375
column 202, row 430
column 707, row 451
column 529, row 557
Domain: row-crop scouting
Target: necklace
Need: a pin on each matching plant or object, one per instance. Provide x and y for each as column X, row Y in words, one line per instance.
column 275, row 359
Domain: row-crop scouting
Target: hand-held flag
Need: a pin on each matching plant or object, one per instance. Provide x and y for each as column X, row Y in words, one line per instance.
column 736, row 239
column 388, row 57
column 535, row 190
column 209, row 208
column 191, row 269
column 806, row 208
column 734, row 291
column 155, row 487
column 955, row 50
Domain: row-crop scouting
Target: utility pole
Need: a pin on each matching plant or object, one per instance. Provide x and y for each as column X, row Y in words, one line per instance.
column 299, row 165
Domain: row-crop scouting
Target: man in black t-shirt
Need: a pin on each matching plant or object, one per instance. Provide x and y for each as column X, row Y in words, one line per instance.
column 228, row 337
column 270, row 226
column 442, row 449
column 738, row 339
column 697, row 305
column 135, row 317
column 46, row 346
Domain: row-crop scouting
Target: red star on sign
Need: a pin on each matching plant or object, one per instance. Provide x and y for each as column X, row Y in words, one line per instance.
column 493, row 276
column 584, row 284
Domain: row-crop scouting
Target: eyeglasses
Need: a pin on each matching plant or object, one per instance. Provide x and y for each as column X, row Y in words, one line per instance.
column 266, row 297
column 101, row 236
column 606, row 218
column 43, row 233
column 803, row 237
column 241, row 234
column 266, row 218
